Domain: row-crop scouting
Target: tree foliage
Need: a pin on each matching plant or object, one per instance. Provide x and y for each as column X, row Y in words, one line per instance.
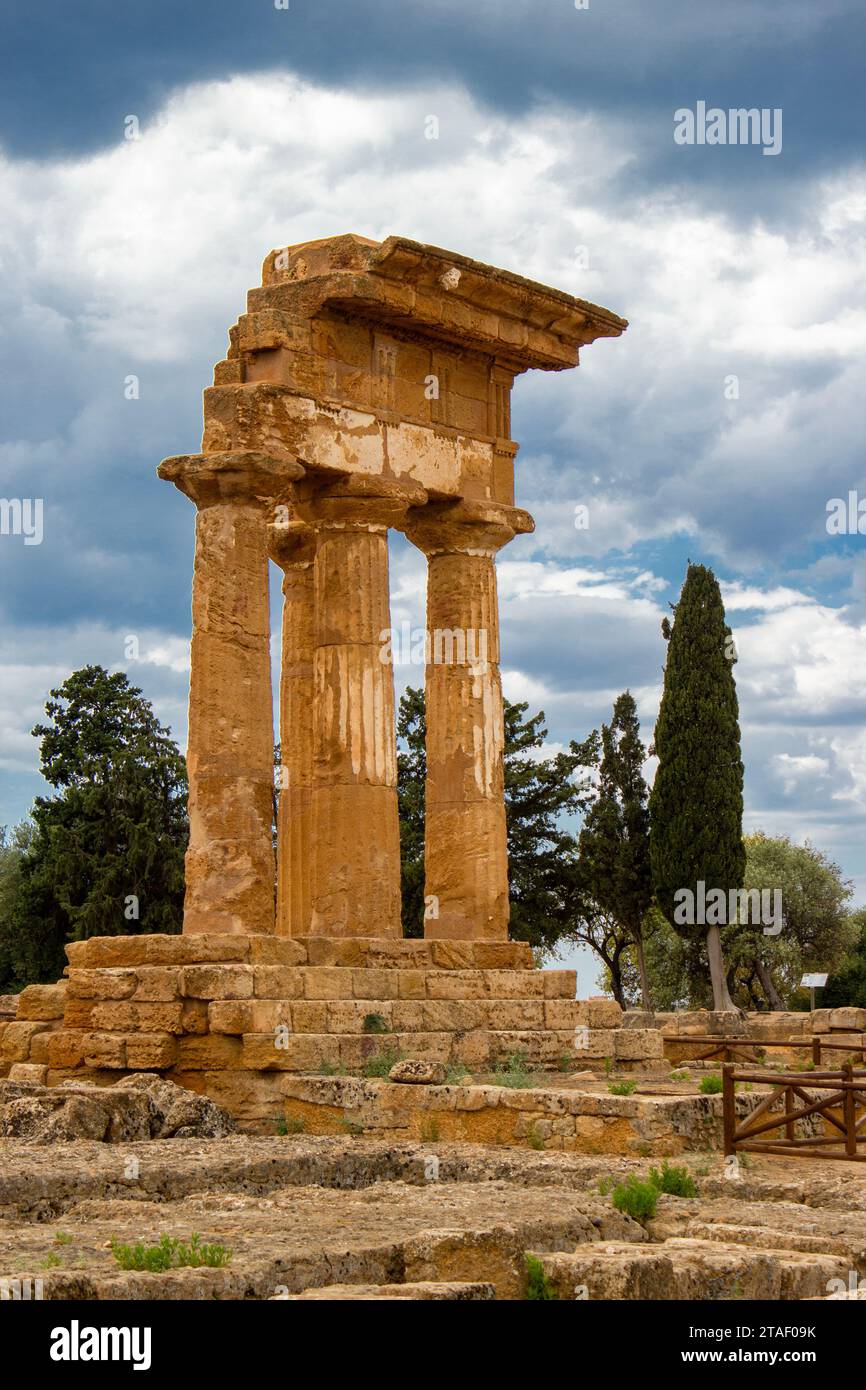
column 696, row 805
column 614, row 841
column 106, row 853
column 540, row 793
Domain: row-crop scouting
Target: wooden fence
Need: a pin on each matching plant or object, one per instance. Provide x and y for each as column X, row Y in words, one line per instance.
column 726, row 1049
column 842, row 1110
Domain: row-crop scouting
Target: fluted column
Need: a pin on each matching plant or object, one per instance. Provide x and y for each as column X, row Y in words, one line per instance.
column 230, row 861
column 356, row 840
column 293, row 548
column 465, row 852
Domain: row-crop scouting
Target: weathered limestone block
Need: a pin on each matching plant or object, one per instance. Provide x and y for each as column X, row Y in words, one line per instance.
column 326, row 982
column 42, row 1002
column 28, row 1071
column 417, row 1073
column 603, row 1013
column 456, row 984
column 104, row 1050
column 407, row 1015
column 270, row 950
column 217, row 981
column 213, row 1052
column 456, row 1015
column 637, row 1044
column 566, row 1013
column 310, row 1016
column 17, row 1037
column 233, row 1016
column 504, row 1014
column 411, row 984
column 348, row 1016
column 302, row 1053
column 157, row 983
column 375, row 984
column 151, row 1051
column 107, row 983
column 845, row 1019
column 279, row 982
column 127, row 1017
column 79, row 1013
column 514, row 984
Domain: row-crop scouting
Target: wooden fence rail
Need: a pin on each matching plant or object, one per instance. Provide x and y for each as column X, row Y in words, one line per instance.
column 842, row 1110
column 724, row 1049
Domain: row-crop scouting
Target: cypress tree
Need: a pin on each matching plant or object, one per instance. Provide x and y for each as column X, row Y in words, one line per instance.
column 614, row 841
column 696, row 805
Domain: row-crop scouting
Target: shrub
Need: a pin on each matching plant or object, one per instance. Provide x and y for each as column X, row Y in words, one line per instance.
column 622, row 1088
column 678, row 1076
column 636, row 1198
column 538, row 1286
column 676, row 1182
column 374, row 1023
column 170, row 1254
column 711, row 1085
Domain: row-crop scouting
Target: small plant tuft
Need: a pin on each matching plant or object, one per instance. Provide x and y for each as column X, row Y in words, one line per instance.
column 676, row 1182
column 636, row 1198
column 380, row 1063
column 170, row 1254
column 374, row 1023
column 622, row 1088
column 514, row 1072
column 538, row 1286
column 711, row 1085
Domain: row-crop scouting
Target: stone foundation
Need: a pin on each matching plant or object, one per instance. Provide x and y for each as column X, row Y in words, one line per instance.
column 228, row 1015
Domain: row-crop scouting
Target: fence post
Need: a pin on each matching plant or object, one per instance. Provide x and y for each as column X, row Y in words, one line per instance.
column 816, row 1050
column 729, row 1114
column 789, row 1106
column 849, row 1110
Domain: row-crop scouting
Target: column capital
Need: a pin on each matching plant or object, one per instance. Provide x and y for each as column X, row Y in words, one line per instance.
column 358, row 502
column 291, row 543
column 465, row 527
column 239, row 476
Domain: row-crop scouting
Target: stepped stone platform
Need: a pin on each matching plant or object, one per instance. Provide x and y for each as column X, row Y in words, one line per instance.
column 234, row 1015
column 355, row 1218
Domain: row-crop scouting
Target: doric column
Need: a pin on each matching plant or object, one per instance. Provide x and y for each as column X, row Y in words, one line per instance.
column 356, row 840
column 230, row 860
column 465, row 854
column 293, row 548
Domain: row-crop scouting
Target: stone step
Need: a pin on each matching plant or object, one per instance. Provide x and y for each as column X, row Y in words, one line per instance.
column 786, row 1225
column 167, row 984
column 429, row 1290
column 376, row 952
column 239, row 1017
column 690, row 1269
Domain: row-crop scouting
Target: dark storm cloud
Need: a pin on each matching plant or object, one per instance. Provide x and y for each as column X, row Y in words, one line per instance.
column 72, row 72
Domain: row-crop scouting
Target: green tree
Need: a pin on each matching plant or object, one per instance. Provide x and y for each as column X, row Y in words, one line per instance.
column 540, row 792
column 696, row 804
column 765, row 964
column 106, row 856
column 847, row 984
column 614, row 841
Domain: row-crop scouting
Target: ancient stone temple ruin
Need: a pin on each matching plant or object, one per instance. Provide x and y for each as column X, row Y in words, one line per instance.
column 367, row 387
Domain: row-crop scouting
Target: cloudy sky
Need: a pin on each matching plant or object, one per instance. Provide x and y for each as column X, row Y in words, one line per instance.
column 717, row 429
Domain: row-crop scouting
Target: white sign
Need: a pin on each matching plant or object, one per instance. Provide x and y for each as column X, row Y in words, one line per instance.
column 813, row 981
